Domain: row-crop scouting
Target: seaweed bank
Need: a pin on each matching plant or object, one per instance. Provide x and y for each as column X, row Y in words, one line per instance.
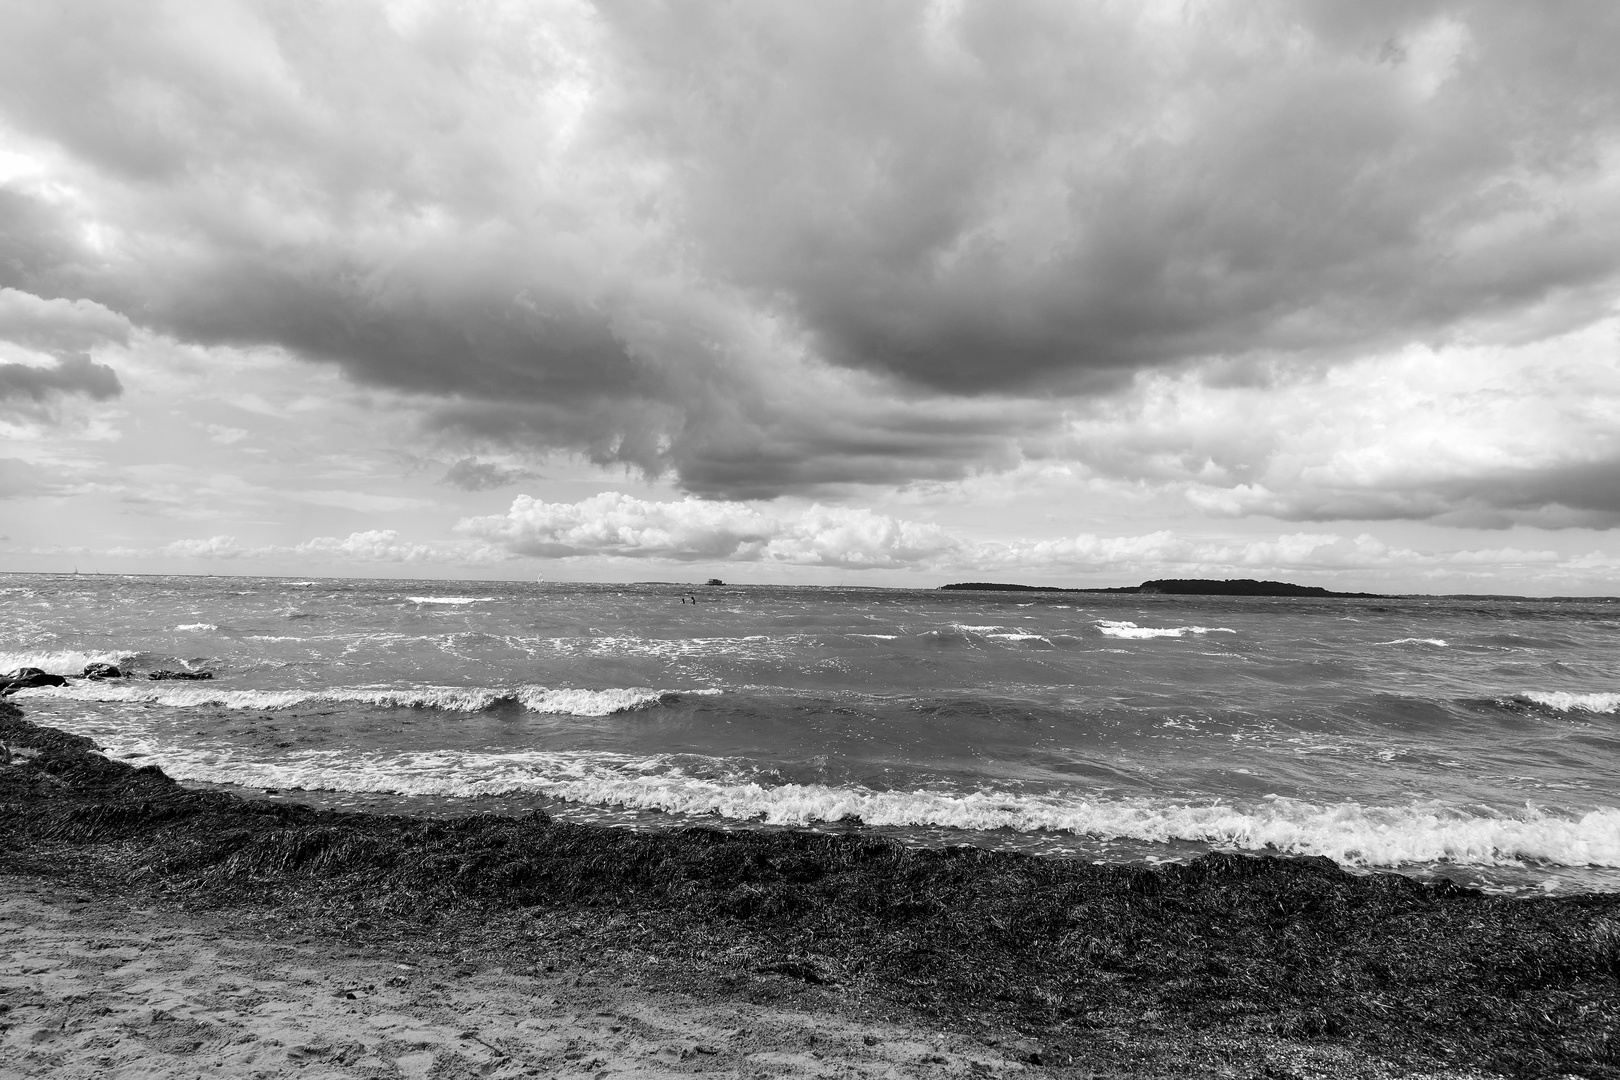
column 1231, row 965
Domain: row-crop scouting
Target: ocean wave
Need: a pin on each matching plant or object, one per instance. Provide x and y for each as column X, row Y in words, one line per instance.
column 1564, row 701
column 561, row 701
column 1019, row 638
column 197, row 627
column 1130, row 630
column 751, row 647
column 61, row 662
column 1351, row 834
column 449, row 599
column 1439, row 643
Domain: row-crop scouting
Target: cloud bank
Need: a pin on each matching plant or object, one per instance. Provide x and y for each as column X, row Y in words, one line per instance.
column 620, row 526
column 692, row 530
column 781, row 248
column 374, row 545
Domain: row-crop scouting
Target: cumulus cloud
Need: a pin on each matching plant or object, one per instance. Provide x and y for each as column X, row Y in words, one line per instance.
column 776, row 247
column 63, row 330
column 622, row 526
column 58, row 326
column 692, row 530
column 1477, row 435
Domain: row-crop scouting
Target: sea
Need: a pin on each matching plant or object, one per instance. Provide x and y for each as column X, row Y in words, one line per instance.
column 1471, row 738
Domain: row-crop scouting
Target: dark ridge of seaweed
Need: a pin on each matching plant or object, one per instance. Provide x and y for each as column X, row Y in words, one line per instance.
column 1159, row 969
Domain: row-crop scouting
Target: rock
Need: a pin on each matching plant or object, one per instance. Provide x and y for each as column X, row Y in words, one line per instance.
column 26, row 677
column 164, row 674
column 101, row 671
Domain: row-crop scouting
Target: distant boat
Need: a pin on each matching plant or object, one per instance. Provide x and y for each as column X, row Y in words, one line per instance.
column 714, row 581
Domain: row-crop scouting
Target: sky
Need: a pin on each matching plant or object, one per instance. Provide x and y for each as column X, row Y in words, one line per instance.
column 856, row 293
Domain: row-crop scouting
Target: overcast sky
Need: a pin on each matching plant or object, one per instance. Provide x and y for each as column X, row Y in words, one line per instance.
column 873, row 293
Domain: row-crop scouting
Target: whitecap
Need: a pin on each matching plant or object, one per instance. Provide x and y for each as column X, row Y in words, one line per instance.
column 557, row 701
column 449, row 599
column 196, row 627
column 1439, row 643
column 63, row 661
column 1564, row 701
column 1018, row 637
column 1121, row 629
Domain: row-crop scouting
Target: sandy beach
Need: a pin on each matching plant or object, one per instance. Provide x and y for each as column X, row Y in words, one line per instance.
column 91, row 987
column 147, row 930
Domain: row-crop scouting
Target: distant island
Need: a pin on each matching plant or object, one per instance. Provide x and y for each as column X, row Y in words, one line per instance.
column 1181, row 587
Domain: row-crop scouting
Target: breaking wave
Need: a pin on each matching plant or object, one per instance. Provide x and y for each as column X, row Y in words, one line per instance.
column 1131, row 630
column 1564, row 701
column 1349, row 833
column 539, row 699
column 61, row 662
column 1439, row 643
column 449, row 599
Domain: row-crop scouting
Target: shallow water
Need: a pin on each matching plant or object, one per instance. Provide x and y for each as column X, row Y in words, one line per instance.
column 1475, row 738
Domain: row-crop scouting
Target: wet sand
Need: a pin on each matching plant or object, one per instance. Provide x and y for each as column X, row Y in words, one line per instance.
column 93, row 988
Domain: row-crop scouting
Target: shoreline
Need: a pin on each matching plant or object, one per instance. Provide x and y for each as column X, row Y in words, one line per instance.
column 1232, row 965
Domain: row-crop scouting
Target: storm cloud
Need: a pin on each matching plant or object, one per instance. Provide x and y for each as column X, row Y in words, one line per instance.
column 779, row 248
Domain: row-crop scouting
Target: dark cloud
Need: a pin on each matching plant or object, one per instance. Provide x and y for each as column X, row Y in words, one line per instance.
column 782, row 247
column 470, row 474
column 69, row 375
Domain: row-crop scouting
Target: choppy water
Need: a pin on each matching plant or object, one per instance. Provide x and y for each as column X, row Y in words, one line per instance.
column 1479, row 738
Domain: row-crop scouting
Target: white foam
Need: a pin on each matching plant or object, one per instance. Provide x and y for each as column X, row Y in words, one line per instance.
column 1419, row 833
column 449, row 599
column 62, row 662
column 197, row 626
column 752, row 647
column 557, row 701
column 1564, row 701
column 587, row 702
column 1130, row 630
column 1017, row 637
column 1439, row 643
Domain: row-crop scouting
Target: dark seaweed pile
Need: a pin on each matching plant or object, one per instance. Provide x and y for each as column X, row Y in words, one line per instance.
column 1141, row 968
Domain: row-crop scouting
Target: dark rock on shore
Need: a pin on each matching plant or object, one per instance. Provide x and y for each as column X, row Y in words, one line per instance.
column 1166, row 971
column 101, row 671
column 25, row 678
column 164, row 674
